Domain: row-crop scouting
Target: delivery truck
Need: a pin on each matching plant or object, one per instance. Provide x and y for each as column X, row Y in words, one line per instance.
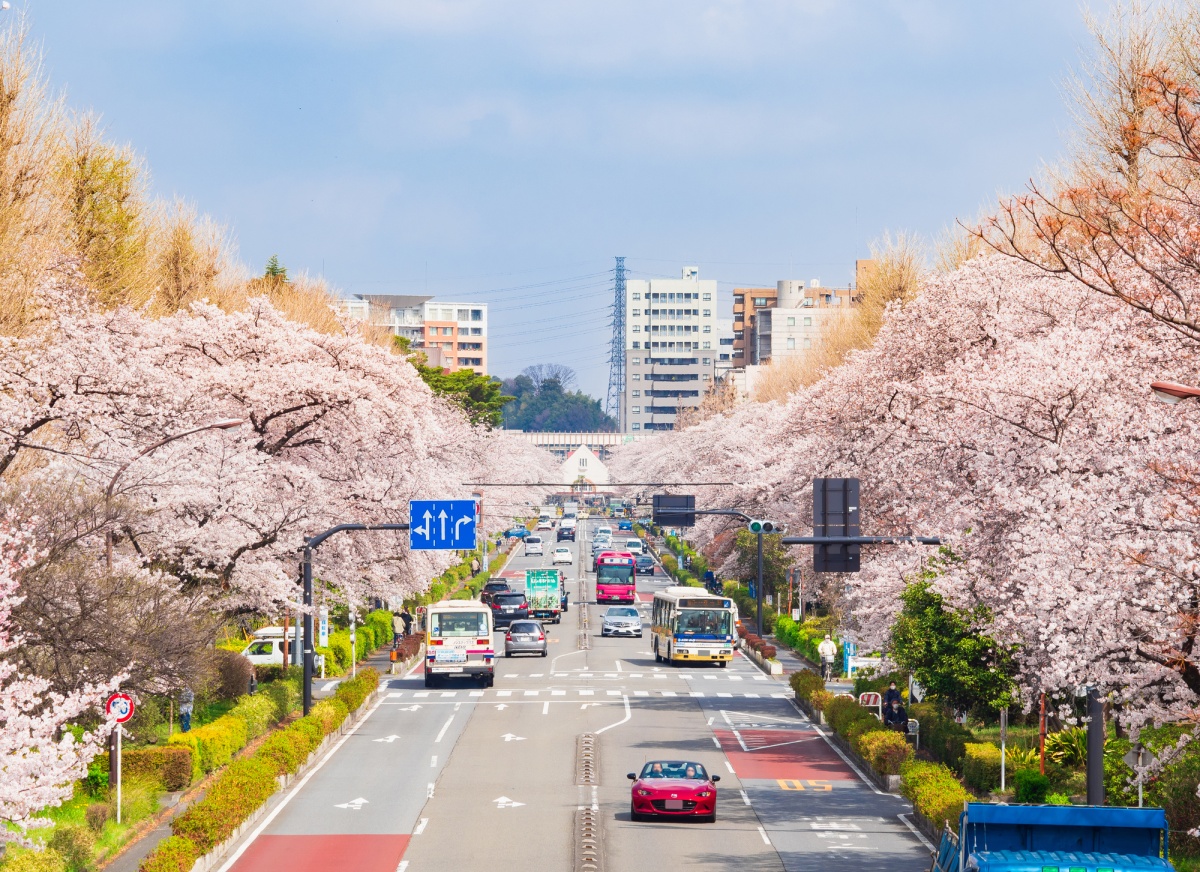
column 544, row 592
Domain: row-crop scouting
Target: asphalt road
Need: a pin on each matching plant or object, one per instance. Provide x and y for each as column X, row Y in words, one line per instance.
column 462, row 776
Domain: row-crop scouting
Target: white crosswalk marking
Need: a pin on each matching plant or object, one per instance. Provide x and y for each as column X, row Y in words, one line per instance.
column 580, row 691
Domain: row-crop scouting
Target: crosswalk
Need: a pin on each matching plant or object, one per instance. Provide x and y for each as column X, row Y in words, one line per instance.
column 638, row 676
column 573, row 693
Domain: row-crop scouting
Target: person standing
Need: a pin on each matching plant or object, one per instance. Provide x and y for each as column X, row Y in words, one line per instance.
column 892, row 695
column 827, row 650
column 397, row 628
column 407, row 619
column 187, row 700
column 474, row 565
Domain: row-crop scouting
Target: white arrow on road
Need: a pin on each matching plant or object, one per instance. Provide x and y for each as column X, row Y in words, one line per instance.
column 354, row 804
column 388, row 739
column 459, row 523
column 411, row 708
column 509, row 737
column 442, row 515
column 424, row 531
column 593, row 704
column 500, row 707
column 505, row 802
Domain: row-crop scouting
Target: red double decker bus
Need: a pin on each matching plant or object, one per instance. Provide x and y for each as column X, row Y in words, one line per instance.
column 616, row 577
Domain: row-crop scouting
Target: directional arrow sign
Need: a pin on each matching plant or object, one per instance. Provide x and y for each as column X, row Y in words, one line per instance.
column 411, row 708
column 509, row 737
column 388, row 739
column 354, row 804
column 505, row 802
column 441, row 525
column 500, row 707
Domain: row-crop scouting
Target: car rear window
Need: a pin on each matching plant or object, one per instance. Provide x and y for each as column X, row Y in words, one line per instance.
column 510, row 599
column 533, row 540
column 525, row 627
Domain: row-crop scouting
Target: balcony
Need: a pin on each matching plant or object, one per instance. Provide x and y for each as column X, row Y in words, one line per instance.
column 673, row 394
column 671, row 377
column 661, row 410
column 672, row 361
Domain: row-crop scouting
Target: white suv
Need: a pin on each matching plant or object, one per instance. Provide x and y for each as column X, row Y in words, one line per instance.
column 533, row 545
column 563, row 555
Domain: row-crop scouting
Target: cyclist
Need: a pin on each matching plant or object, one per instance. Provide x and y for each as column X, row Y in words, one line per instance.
column 828, row 650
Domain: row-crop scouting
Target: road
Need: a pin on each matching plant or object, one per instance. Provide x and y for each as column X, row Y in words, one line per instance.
column 444, row 779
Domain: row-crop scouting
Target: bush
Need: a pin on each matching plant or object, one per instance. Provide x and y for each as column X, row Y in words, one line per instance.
column 330, row 713
column 170, row 767
column 257, row 712
column 767, row 651
column 805, row 637
column 820, row 699
column 805, row 683
column 76, row 844
column 943, row 737
column 1058, row 799
column 1067, row 747
column 886, row 750
column 934, row 792
column 277, row 672
column 1030, row 786
column 843, row 712
column 284, row 695
column 147, row 718
column 981, row 765
column 234, row 795
column 356, row 690
column 48, row 860
column 173, row 854
column 233, row 672
column 96, row 814
column 213, row 745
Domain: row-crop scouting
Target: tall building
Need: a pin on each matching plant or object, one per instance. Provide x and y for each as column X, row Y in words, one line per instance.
column 672, row 345
column 747, row 303
column 793, row 325
column 452, row 335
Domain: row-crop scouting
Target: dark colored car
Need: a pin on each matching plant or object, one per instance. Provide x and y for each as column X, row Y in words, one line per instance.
column 494, row 586
column 516, row 533
column 566, row 533
column 508, row 607
column 645, row 564
column 673, row 788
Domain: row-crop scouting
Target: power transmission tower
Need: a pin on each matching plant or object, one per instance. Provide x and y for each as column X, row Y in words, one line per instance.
column 616, row 355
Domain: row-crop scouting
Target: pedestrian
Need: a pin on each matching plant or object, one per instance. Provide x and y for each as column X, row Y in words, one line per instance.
column 407, row 619
column 892, row 695
column 474, row 565
column 827, row 650
column 187, row 699
column 397, row 628
column 896, row 717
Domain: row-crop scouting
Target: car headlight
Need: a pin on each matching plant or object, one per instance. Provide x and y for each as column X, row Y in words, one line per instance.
column 642, row 792
column 704, row 793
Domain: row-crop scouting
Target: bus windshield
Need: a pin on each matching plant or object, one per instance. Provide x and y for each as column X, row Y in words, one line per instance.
column 614, row 575
column 444, row 624
column 707, row 622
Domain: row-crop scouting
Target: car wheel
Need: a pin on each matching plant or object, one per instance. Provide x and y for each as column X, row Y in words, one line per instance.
column 709, row 818
column 633, row 815
column 723, row 663
column 507, row 653
column 545, row 652
column 639, row 635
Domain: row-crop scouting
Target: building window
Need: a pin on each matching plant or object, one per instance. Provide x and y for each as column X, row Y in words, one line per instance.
column 637, row 311
column 707, row 313
column 707, row 377
column 477, row 314
column 637, row 410
column 808, row 343
column 637, row 328
column 760, row 302
column 739, row 299
column 637, row 296
column 637, row 393
column 791, row 343
column 464, row 314
column 637, row 345
column 706, row 297
column 706, row 345
column 636, row 427
column 707, row 361
column 808, row 322
column 791, row 322
column 708, row 328
column 637, row 377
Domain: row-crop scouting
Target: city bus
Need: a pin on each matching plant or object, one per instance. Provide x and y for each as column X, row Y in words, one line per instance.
column 616, row 577
column 458, row 642
column 691, row 624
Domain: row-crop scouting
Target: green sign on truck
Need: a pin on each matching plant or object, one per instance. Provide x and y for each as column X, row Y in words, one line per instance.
column 543, row 590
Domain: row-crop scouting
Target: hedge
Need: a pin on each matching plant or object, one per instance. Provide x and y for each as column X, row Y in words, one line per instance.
column 234, row 796
column 353, row 692
column 943, row 737
column 934, row 792
column 258, row 712
column 843, row 712
column 804, row 638
column 213, row 745
column 886, row 750
column 805, row 682
column 981, row 765
column 46, row 860
column 173, row 854
column 170, row 767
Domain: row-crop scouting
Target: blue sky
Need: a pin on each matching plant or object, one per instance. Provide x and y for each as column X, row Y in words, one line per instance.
column 472, row 149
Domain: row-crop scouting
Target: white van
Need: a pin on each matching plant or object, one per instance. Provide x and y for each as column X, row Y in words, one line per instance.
column 603, row 532
column 533, row 545
column 458, row 642
column 634, row 546
column 266, row 649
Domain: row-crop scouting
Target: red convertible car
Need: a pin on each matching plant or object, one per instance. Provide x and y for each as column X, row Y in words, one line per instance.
column 673, row 788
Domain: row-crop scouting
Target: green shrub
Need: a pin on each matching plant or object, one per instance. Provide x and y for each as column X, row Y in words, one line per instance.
column 380, row 622
column 76, row 844
column 353, row 692
column 943, row 737
column 234, row 795
column 1058, row 799
column 886, row 750
column 981, row 765
column 331, row 713
column 843, row 712
column 277, row 672
column 934, row 792
column 233, row 674
column 1030, row 786
column 47, row 860
column 820, row 699
column 257, row 712
column 147, row 718
column 173, row 854
column 213, row 745
column 1067, row 747
column 170, row 767
column 284, row 694
column 804, row 682
column 804, row 637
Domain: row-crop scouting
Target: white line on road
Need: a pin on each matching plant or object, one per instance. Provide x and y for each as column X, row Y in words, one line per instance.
column 716, row 741
column 845, row 759
column 745, row 798
column 628, row 715
column 299, row 786
column 710, row 720
column 429, row 790
column 403, row 865
column 924, row 841
column 554, row 662
column 445, row 727
column 420, row 827
column 546, row 707
column 763, row 833
column 433, row 762
column 729, row 766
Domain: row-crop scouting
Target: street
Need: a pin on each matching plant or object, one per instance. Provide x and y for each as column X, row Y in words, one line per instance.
column 440, row 779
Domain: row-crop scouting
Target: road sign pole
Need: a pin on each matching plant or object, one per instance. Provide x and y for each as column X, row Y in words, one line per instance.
column 759, row 592
column 118, row 773
column 1003, row 740
column 308, row 629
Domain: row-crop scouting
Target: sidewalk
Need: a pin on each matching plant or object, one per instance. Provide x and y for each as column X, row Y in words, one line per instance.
column 793, row 662
column 134, row 852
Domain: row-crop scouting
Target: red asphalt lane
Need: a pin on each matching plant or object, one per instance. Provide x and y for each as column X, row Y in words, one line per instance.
column 799, row 755
column 362, row 853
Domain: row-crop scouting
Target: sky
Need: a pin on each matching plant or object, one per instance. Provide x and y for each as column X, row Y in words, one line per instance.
column 504, row 151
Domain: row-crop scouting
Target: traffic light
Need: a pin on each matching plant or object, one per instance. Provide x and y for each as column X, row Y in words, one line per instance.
column 765, row 527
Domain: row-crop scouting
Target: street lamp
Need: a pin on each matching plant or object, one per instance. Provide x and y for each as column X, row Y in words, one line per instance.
column 223, row 424
column 1170, row 392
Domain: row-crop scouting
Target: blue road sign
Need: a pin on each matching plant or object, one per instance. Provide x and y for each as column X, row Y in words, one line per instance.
column 441, row 525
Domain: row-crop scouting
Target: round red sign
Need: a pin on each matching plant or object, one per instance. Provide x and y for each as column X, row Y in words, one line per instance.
column 120, row 706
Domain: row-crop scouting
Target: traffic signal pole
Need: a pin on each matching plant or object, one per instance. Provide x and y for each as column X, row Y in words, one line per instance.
column 759, row 590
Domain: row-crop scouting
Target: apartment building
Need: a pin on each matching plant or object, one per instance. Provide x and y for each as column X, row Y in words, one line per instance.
column 672, row 344
column 794, row 324
column 452, row 335
column 747, row 304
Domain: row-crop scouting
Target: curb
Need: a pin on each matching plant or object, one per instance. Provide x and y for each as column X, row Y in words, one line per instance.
column 770, row 667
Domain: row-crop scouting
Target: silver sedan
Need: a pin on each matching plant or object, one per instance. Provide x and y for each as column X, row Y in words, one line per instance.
column 621, row 621
column 525, row 637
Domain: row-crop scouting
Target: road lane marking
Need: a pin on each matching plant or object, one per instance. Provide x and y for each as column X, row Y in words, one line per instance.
column 710, row 720
column 628, row 715
column 476, row 693
column 403, row 866
column 420, row 827
column 729, row 766
column 763, row 833
column 641, row 693
column 558, row 693
column 433, row 762
column 716, row 741
column 554, row 662
column 745, row 797
column 845, row 759
column 429, row 790
column 546, row 707
column 445, row 727
column 924, row 841
column 504, row 693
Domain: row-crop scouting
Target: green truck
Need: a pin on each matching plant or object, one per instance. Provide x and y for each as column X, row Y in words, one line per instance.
column 544, row 591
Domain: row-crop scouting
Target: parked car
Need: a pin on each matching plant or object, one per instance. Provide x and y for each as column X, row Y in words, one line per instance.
column 508, row 607
column 673, row 788
column 645, row 564
column 525, row 637
column 533, row 545
column 493, row 586
column 516, row 533
column 266, row 649
column 563, row 555
column 621, row 621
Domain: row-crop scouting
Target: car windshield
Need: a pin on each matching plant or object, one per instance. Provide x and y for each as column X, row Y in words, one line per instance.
column 712, row 622
column 674, row 769
column 510, row 599
column 614, row 575
column 458, row 624
column 622, row 612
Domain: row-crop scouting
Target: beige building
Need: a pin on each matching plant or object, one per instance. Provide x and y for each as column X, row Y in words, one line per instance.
column 453, row 335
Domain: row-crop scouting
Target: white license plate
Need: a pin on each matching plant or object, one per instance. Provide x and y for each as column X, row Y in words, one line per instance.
column 447, row 669
column 510, row 608
column 450, row 656
column 673, row 805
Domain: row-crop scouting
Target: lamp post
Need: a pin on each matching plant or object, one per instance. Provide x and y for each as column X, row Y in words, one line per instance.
column 223, row 424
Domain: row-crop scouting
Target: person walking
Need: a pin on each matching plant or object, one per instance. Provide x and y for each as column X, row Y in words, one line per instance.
column 892, row 695
column 397, row 628
column 896, row 717
column 474, row 565
column 828, row 650
column 187, row 700
column 407, row 619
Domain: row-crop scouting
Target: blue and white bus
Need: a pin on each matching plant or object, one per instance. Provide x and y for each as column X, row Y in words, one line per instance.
column 691, row 624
